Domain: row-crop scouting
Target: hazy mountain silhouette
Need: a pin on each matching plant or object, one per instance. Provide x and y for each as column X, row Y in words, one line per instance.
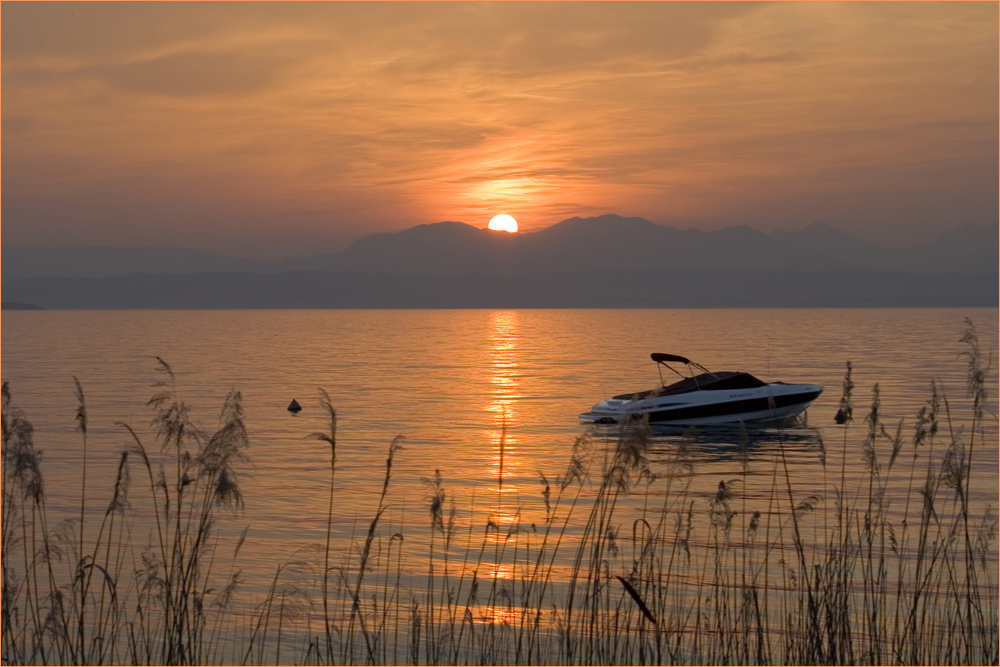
column 605, row 261
column 106, row 261
column 608, row 242
column 603, row 243
column 615, row 243
column 442, row 248
column 678, row 288
column 838, row 245
column 967, row 248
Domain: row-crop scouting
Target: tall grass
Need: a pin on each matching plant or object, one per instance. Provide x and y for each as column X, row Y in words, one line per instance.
column 626, row 561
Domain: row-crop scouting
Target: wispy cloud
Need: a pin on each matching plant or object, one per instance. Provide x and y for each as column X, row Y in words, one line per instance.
column 147, row 121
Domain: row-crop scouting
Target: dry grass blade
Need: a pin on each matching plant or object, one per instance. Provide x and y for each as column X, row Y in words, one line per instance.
column 638, row 599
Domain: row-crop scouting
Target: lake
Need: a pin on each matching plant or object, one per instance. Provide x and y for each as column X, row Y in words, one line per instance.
column 479, row 396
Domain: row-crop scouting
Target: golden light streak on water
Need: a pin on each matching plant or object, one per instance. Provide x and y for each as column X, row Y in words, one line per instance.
column 504, row 375
column 498, row 615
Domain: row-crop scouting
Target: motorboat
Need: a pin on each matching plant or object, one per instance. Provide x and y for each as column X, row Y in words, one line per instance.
column 704, row 397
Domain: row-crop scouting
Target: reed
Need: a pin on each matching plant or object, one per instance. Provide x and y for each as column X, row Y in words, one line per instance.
column 621, row 559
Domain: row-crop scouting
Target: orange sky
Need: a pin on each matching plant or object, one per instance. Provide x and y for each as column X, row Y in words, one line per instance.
column 273, row 129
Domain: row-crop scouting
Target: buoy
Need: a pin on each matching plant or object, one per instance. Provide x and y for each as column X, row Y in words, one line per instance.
column 294, row 407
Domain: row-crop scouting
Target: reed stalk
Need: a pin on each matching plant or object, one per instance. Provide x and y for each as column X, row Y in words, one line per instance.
column 625, row 558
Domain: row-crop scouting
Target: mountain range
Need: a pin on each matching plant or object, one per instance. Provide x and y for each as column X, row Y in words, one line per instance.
column 605, row 261
column 605, row 243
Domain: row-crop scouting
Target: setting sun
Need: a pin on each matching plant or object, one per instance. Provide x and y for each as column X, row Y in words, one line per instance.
column 503, row 223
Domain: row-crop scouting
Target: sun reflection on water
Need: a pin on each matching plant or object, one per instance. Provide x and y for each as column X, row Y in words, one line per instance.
column 498, row 615
column 500, row 571
column 502, row 405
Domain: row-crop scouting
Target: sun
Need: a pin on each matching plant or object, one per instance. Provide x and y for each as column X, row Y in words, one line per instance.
column 503, row 223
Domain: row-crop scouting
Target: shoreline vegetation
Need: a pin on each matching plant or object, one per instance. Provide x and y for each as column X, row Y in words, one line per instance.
column 908, row 580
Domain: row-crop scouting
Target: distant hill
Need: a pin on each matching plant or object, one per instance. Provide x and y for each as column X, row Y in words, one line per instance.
column 604, row 261
column 671, row 288
column 609, row 242
column 968, row 248
column 838, row 245
column 603, row 243
column 106, row 261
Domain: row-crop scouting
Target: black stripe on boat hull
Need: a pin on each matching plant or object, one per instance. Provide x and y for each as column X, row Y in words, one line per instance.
column 732, row 407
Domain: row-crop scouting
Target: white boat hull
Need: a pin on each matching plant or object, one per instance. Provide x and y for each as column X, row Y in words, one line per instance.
column 772, row 402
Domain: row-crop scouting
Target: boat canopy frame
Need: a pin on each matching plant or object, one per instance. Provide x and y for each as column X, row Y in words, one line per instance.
column 661, row 359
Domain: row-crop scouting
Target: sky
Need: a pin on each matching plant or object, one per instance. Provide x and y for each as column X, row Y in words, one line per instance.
column 286, row 129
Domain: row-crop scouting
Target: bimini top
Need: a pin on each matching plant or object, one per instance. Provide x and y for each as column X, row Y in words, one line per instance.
column 660, row 357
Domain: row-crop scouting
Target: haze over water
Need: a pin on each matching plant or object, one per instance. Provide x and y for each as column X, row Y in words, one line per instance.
column 448, row 381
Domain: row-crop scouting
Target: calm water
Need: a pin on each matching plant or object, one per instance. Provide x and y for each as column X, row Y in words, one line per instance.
column 448, row 381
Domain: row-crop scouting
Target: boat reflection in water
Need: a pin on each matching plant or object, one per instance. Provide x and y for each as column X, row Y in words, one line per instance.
column 720, row 442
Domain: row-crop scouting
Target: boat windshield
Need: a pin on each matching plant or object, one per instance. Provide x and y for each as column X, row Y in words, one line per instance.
column 721, row 381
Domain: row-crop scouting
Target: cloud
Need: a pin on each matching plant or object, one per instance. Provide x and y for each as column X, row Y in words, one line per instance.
column 211, row 74
column 15, row 125
column 391, row 114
